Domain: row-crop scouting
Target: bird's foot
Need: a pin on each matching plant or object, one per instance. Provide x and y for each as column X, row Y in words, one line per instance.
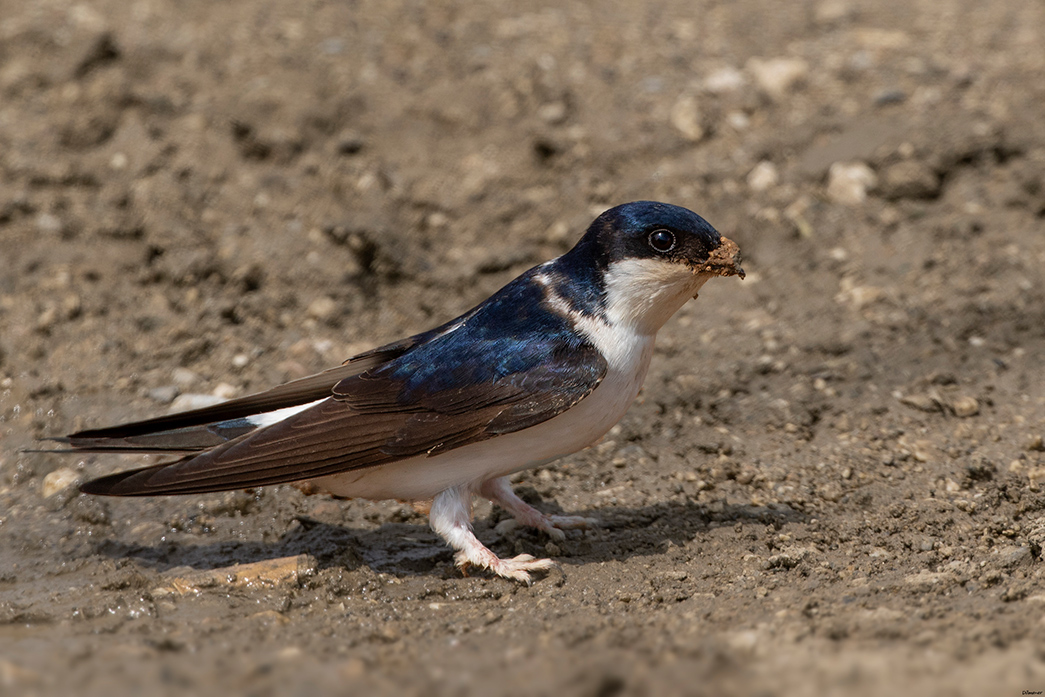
column 450, row 517
column 517, row 568
column 500, row 492
column 551, row 525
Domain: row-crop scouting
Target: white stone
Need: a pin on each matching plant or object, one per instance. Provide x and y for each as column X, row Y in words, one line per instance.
column 45, row 222
column 738, row 120
column 777, row 76
column 764, row 176
column 194, row 400
column 58, row 481
column 848, row 182
column 965, row 406
column 184, row 378
column 685, row 117
column 225, row 391
column 322, row 308
column 723, row 80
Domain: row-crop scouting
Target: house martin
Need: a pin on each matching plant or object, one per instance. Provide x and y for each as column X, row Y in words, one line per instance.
column 543, row 368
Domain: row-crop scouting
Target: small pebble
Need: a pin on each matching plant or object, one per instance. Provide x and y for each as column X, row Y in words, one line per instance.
column 848, row 182
column 224, row 390
column 1013, row 556
column 47, row 319
column 778, row 76
column 164, row 395
column 58, row 481
column 965, row 406
column 764, row 176
column 194, row 400
column 184, row 378
column 47, row 223
column 909, row 179
column 724, row 80
column 350, row 143
column 553, row 112
column 738, row 120
column 685, row 117
column 890, row 97
column 322, row 308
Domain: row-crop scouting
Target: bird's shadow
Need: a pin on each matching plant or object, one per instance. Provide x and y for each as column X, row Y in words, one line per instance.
column 406, row 549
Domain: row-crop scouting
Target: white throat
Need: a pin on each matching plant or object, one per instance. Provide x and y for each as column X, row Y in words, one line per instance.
column 643, row 294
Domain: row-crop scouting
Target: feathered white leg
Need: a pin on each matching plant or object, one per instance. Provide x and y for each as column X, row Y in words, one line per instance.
column 451, row 518
column 500, row 492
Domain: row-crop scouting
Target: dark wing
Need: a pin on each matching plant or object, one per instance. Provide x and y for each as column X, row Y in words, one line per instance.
column 366, row 425
column 508, row 367
column 208, row 427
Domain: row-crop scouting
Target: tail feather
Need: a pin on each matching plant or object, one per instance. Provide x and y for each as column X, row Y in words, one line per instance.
column 200, row 429
column 292, row 394
column 190, row 439
column 303, row 391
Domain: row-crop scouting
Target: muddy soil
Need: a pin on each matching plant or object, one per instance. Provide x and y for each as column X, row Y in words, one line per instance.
column 830, row 484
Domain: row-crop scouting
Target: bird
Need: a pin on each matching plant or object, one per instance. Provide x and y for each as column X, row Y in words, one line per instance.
column 543, row 368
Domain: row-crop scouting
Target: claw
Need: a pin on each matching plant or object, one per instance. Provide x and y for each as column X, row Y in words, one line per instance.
column 517, row 568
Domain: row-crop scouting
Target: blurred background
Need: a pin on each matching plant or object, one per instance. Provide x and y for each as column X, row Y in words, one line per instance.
column 830, row 484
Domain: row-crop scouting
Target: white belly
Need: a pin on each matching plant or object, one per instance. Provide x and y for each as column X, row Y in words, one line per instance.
column 423, row 477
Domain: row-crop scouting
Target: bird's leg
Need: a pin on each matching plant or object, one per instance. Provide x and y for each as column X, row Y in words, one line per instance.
column 499, row 491
column 451, row 518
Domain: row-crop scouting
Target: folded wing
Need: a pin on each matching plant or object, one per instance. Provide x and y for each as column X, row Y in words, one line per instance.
column 512, row 369
column 365, row 424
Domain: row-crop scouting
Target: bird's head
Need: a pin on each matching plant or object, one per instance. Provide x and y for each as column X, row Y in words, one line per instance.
column 651, row 257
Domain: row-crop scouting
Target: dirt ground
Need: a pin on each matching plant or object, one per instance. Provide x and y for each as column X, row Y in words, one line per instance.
column 830, row 484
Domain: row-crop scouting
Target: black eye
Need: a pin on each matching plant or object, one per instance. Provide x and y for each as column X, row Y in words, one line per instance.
column 662, row 240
